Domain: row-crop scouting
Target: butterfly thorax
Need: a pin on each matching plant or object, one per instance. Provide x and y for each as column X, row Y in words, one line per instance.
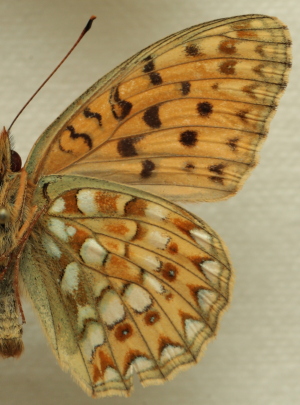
column 10, row 218
column 12, row 199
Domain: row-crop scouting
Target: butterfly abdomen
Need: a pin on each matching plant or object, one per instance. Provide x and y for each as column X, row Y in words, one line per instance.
column 11, row 344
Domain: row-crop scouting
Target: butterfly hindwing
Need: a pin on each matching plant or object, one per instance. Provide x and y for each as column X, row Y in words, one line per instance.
column 122, row 281
column 195, row 106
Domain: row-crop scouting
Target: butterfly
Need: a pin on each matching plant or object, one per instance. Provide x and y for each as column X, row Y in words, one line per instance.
column 122, row 279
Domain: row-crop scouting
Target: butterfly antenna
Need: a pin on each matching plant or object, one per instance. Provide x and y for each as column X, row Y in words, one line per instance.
column 85, row 30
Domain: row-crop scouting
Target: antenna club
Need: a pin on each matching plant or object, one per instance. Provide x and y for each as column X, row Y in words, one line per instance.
column 89, row 24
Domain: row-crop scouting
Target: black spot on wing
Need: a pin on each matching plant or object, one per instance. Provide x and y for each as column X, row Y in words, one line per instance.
column 242, row 114
column 151, row 117
column 155, row 78
column 149, row 66
column 204, row 109
column 232, row 143
column 185, row 88
column 89, row 114
column 192, row 50
column 115, row 94
column 120, row 108
column 228, row 67
column 189, row 166
column 45, row 192
column 216, row 179
column 74, row 135
column 188, row 138
column 148, row 167
column 126, row 147
column 217, row 168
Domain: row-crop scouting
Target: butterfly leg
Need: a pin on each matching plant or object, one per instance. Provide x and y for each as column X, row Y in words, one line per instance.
column 16, row 287
column 15, row 257
column 22, row 234
column 29, row 223
column 22, row 238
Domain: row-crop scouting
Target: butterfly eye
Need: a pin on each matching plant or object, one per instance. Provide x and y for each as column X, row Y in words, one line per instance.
column 16, row 162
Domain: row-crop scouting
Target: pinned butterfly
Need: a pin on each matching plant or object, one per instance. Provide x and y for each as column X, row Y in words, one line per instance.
column 122, row 279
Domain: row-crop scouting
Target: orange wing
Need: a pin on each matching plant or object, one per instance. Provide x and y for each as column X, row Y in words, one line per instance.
column 184, row 118
column 130, row 282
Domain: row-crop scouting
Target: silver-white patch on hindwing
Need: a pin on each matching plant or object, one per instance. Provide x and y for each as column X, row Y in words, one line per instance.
column 111, row 308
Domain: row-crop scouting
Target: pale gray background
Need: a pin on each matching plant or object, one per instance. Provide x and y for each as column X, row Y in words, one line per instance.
column 256, row 356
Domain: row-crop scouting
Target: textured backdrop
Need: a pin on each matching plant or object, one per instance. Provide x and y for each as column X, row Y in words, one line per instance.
column 256, row 356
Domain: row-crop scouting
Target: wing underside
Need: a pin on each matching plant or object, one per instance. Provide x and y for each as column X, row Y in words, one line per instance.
column 185, row 118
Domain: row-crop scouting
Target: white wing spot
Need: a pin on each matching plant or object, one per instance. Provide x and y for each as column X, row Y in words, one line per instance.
column 170, row 352
column 92, row 253
column 58, row 206
column 141, row 364
column 138, row 298
column 202, row 238
column 58, row 227
column 85, row 312
column 153, row 262
column 93, row 337
column 71, row 230
column 157, row 239
column 206, row 299
column 111, row 375
column 192, row 329
column 153, row 283
column 212, row 270
column 70, row 280
column 51, row 247
column 111, row 308
column 99, row 284
column 147, row 261
column 156, row 212
column 86, row 202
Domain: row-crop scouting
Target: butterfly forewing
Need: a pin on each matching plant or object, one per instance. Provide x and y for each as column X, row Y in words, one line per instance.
column 196, row 106
column 136, row 283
